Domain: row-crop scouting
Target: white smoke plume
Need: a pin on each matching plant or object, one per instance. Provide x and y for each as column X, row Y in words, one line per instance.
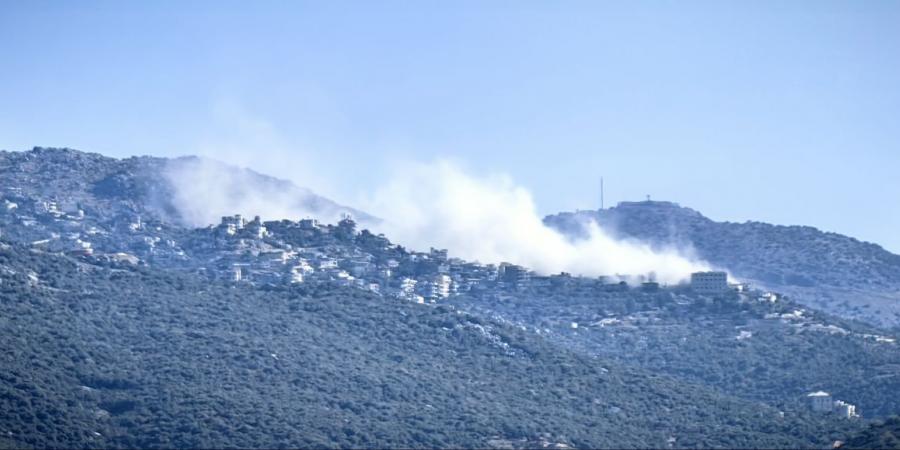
column 204, row 190
column 491, row 220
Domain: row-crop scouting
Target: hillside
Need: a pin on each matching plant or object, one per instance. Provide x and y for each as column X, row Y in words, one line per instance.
column 128, row 357
column 155, row 189
column 309, row 324
column 829, row 271
column 741, row 344
column 884, row 434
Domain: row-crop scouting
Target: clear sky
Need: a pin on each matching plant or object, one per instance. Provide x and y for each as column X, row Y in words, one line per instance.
column 785, row 112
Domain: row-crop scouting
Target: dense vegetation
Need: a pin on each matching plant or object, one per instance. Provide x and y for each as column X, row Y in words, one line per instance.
column 99, row 354
column 884, row 434
column 136, row 357
column 697, row 338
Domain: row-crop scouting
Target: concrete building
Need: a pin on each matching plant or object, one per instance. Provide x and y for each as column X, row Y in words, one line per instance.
column 709, row 282
column 408, row 288
column 231, row 224
column 237, row 272
column 257, row 229
column 136, row 224
column 308, row 224
column 236, row 220
column 438, row 254
column 844, row 409
column 514, row 275
column 328, row 263
column 440, row 287
column 820, row 401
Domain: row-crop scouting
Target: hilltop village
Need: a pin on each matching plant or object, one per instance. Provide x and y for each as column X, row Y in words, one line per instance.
column 610, row 316
column 304, row 251
column 307, row 252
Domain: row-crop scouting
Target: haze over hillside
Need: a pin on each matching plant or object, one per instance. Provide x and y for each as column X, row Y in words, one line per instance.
column 188, row 191
column 486, row 219
column 360, row 225
column 104, row 246
column 827, row 270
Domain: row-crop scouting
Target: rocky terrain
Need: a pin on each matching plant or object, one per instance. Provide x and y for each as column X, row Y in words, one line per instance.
column 829, row 271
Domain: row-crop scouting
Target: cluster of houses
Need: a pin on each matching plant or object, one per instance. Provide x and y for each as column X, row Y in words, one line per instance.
column 304, row 251
column 309, row 252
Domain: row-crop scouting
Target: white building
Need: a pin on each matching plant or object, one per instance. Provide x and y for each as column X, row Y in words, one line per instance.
column 328, row 263
column 303, row 267
column 709, row 282
column 820, row 401
column 408, row 288
column 823, row 402
column 236, row 221
column 257, row 228
column 136, row 225
column 440, row 287
column 237, row 273
column 844, row 409
column 297, row 274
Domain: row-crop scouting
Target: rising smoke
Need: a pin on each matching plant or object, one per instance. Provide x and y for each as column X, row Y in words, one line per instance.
column 204, row 190
column 491, row 219
column 488, row 219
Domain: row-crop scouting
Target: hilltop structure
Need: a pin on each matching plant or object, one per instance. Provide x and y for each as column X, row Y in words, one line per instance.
column 822, row 402
column 709, row 282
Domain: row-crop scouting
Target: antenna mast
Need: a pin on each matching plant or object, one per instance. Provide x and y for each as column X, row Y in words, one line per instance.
column 601, row 192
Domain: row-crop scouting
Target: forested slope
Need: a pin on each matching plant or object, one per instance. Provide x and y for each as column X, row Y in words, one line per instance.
column 135, row 357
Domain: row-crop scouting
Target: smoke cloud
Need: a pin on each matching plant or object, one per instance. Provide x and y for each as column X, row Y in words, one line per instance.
column 204, row 190
column 491, row 219
column 420, row 205
column 488, row 219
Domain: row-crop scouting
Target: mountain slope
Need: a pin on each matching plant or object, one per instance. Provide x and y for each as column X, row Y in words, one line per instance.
column 187, row 191
column 826, row 270
column 884, row 434
column 737, row 343
column 299, row 325
column 136, row 357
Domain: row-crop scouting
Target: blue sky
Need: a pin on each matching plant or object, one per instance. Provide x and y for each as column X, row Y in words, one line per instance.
column 785, row 112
